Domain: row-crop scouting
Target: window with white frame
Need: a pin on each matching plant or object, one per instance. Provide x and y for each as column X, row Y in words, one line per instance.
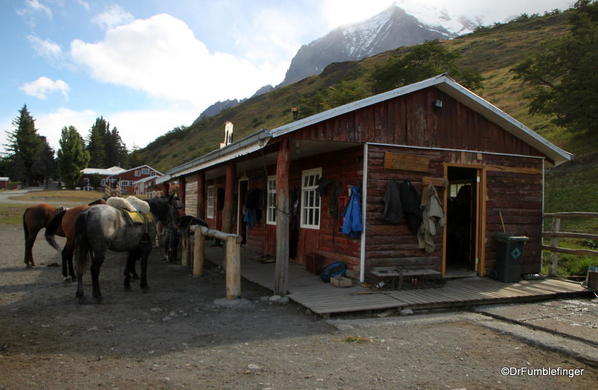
column 145, row 171
column 137, row 173
column 310, row 199
column 210, row 202
column 271, row 211
column 125, row 183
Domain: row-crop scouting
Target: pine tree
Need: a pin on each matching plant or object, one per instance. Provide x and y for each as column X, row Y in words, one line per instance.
column 72, row 156
column 44, row 166
column 23, row 146
column 116, row 150
column 96, row 143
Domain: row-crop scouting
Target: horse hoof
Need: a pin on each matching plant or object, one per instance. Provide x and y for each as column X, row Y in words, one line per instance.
column 97, row 299
column 127, row 287
column 145, row 289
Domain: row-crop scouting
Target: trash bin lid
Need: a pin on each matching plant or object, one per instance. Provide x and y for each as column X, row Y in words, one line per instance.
column 509, row 237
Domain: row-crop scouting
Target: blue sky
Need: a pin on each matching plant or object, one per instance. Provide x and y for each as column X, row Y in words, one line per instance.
column 148, row 66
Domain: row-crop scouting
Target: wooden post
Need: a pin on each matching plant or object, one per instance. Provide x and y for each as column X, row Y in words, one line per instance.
column 229, row 188
column 182, row 193
column 201, row 193
column 185, row 247
column 233, row 268
column 198, row 252
column 554, row 242
column 281, row 273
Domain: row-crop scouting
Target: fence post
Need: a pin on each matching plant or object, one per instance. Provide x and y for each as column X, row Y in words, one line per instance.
column 554, row 242
column 198, row 252
column 233, row 267
column 185, row 247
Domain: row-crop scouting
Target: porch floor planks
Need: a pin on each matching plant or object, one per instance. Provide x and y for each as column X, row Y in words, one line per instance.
column 309, row 291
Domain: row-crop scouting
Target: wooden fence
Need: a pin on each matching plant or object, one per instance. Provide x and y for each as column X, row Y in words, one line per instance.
column 232, row 258
column 556, row 234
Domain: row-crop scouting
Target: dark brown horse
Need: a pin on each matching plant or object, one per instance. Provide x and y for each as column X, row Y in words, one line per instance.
column 64, row 222
column 36, row 218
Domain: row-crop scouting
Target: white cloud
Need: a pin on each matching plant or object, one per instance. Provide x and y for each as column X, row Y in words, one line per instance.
column 162, row 57
column 342, row 12
column 112, row 17
column 34, row 6
column 47, row 49
column 83, row 4
column 50, row 125
column 43, row 85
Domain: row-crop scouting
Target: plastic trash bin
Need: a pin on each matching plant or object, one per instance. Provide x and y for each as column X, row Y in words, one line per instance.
column 509, row 252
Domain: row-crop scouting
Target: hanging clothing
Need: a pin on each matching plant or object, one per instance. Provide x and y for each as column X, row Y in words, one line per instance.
column 410, row 201
column 393, row 209
column 324, row 185
column 352, row 224
column 433, row 219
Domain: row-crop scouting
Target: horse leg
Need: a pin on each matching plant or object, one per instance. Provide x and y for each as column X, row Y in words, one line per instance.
column 130, row 269
column 67, row 261
column 96, row 265
column 146, row 248
column 29, row 241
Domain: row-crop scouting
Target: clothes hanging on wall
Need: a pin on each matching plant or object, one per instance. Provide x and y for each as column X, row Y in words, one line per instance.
column 332, row 189
column 352, row 225
column 433, row 219
column 410, row 201
column 393, row 209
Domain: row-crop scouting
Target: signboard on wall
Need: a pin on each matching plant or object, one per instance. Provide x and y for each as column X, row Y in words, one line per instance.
column 406, row 162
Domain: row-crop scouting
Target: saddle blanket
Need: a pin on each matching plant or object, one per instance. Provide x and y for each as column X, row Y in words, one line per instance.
column 138, row 217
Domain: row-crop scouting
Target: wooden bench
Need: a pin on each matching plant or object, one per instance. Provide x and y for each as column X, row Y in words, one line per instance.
column 397, row 274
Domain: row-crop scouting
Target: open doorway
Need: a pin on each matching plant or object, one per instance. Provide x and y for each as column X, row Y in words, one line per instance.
column 461, row 222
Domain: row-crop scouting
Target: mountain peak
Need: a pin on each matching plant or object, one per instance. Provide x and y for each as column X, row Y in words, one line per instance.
column 392, row 28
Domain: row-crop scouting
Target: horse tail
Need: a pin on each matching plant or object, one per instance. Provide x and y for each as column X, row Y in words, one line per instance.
column 82, row 246
column 25, row 230
column 52, row 227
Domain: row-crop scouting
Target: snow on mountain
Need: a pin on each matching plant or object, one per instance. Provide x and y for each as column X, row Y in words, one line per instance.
column 410, row 24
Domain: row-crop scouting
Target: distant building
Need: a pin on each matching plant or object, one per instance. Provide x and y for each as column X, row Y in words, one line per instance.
column 94, row 178
column 4, row 182
column 147, row 187
column 126, row 178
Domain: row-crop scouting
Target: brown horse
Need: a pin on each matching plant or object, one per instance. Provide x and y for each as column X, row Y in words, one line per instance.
column 36, row 218
column 64, row 222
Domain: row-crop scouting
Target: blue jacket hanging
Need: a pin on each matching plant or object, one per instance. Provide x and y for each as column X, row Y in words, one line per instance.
column 352, row 225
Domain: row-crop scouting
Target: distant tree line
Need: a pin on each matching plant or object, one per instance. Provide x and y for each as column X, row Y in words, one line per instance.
column 31, row 160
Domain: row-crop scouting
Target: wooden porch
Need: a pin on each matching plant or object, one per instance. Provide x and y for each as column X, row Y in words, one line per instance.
column 309, row 291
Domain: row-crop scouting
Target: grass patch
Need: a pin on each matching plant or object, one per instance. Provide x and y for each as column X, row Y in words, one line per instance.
column 12, row 214
column 60, row 196
column 357, row 339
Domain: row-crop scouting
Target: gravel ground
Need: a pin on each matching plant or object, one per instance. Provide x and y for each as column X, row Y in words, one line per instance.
column 181, row 334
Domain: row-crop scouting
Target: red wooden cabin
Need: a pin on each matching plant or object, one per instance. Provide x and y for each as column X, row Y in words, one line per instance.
column 434, row 131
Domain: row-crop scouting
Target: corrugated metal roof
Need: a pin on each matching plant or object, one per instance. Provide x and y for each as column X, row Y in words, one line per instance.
column 442, row 82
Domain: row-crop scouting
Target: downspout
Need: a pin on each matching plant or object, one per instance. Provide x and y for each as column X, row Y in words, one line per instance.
column 364, row 203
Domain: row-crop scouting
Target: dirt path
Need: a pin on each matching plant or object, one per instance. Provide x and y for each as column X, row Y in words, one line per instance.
column 178, row 335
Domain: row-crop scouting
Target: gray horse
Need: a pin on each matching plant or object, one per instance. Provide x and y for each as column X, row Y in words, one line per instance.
column 104, row 227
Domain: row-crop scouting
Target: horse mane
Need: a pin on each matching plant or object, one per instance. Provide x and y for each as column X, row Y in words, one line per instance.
column 98, row 201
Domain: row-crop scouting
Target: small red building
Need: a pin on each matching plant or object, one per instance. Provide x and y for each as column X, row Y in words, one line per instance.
column 487, row 169
column 4, row 182
column 126, row 179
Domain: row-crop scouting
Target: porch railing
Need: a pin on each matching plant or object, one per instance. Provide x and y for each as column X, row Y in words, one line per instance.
column 556, row 234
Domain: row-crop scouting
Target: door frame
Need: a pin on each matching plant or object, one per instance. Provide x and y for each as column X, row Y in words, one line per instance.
column 481, row 190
